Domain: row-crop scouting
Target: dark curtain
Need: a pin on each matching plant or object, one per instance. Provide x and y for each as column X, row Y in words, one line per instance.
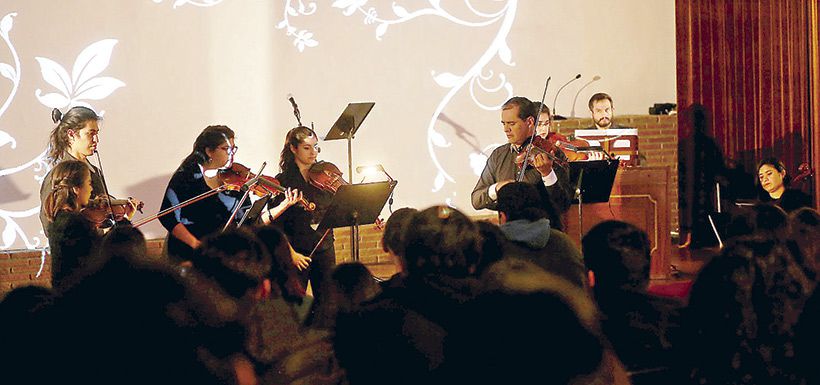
column 748, row 63
column 814, row 69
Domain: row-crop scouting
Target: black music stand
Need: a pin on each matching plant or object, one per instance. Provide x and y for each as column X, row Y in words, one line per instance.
column 354, row 205
column 345, row 128
column 593, row 181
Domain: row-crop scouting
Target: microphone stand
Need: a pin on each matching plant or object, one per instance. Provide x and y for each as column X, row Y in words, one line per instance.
column 555, row 115
column 247, row 191
column 108, row 222
column 520, row 176
column 575, row 100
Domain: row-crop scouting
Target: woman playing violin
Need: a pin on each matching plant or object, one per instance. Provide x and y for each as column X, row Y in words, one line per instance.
column 298, row 155
column 213, row 150
column 72, row 238
column 75, row 137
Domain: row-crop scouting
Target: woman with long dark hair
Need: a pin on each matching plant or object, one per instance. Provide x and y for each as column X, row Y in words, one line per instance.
column 72, row 238
column 773, row 179
column 298, row 155
column 213, row 151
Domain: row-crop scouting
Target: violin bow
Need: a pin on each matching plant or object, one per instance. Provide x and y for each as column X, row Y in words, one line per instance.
column 108, row 222
column 247, row 191
column 171, row 209
column 534, row 129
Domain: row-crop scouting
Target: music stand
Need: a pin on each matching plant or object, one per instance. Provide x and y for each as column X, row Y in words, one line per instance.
column 593, row 184
column 354, row 205
column 345, row 128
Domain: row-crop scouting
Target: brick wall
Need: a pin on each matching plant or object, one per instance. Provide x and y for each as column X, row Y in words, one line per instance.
column 658, row 143
column 19, row 268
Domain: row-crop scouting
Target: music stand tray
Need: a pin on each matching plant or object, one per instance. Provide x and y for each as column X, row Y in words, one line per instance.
column 354, row 205
column 594, row 178
column 349, row 121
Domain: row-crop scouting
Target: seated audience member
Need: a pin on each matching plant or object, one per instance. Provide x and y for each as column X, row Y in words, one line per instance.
column 763, row 220
column 637, row 323
column 393, row 243
column 351, row 285
column 127, row 326
column 127, row 244
column 529, row 326
column 807, row 341
column 740, row 323
column 492, row 246
column 240, row 264
column 21, row 325
column 771, row 174
column 804, row 233
column 354, row 285
column 398, row 337
column 530, row 236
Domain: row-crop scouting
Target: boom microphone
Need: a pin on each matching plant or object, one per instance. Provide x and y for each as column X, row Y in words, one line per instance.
column 555, row 116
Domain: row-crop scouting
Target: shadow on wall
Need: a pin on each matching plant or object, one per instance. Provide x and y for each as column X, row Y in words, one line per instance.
column 10, row 192
column 150, row 191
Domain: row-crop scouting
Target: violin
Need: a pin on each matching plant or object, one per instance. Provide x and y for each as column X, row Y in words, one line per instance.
column 237, row 175
column 326, row 176
column 538, row 146
column 97, row 210
column 570, row 148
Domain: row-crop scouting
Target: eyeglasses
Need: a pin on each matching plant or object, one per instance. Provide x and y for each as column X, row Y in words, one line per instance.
column 230, row 149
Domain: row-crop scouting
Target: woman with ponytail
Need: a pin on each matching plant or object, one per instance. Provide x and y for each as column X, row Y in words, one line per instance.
column 75, row 137
column 298, row 155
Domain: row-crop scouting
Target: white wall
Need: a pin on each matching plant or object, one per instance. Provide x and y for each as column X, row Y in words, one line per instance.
column 187, row 64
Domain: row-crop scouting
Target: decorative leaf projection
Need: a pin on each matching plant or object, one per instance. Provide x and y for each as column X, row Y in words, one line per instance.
column 474, row 77
column 82, row 84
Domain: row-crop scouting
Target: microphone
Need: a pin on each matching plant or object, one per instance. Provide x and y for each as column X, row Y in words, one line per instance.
column 253, row 180
column 575, row 100
column 250, row 183
column 555, row 116
column 296, row 112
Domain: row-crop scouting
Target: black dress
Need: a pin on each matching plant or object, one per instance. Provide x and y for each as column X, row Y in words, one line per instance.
column 202, row 218
column 296, row 222
column 790, row 200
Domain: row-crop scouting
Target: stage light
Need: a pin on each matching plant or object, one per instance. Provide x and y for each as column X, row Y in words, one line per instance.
column 370, row 170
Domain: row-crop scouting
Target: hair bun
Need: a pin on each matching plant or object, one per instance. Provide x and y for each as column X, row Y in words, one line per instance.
column 56, row 115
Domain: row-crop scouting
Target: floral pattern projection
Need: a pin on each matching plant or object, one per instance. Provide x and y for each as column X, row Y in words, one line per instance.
column 478, row 78
column 84, row 84
column 66, row 90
